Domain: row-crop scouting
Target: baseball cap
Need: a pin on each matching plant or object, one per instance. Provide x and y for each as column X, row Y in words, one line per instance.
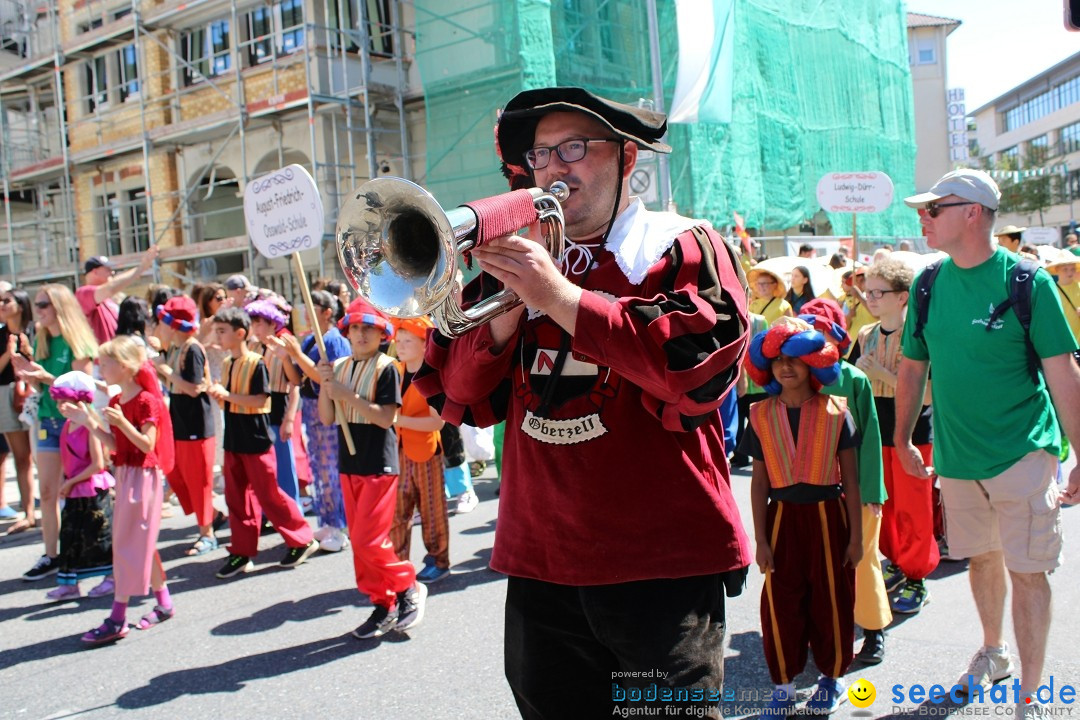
column 967, row 183
column 237, row 282
column 97, row 261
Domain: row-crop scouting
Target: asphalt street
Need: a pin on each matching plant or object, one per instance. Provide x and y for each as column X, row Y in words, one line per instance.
column 276, row 643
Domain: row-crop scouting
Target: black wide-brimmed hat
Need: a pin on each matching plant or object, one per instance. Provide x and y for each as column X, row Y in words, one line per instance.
column 517, row 124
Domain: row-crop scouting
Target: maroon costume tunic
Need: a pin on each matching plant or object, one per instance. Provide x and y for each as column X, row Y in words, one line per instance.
column 615, row 471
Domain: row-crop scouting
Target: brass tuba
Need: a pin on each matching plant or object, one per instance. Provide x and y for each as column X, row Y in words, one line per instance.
column 400, row 250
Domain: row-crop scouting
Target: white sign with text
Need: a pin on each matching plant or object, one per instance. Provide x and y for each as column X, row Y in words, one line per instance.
column 1042, row 235
column 283, row 212
column 855, row 192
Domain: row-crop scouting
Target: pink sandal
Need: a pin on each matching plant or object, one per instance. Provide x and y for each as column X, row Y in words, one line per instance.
column 63, row 593
column 109, row 631
column 155, row 617
column 103, row 588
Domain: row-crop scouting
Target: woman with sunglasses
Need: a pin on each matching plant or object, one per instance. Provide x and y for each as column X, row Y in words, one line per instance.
column 64, row 343
column 211, row 297
column 15, row 333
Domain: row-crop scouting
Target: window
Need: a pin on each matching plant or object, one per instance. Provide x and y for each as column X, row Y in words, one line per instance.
column 206, row 51
column 280, row 28
column 1050, row 101
column 1069, row 138
column 139, row 220
column 925, row 51
column 1071, row 186
column 292, row 25
column 125, row 224
column 97, row 83
column 261, row 32
column 127, row 60
column 1042, row 142
column 381, row 28
column 110, row 224
column 341, row 31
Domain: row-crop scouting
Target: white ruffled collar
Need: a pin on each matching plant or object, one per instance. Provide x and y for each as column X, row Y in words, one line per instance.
column 640, row 237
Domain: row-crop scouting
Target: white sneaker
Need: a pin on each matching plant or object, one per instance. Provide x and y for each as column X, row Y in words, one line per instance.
column 467, row 502
column 334, row 541
column 986, row 668
column 1034, row 710
column 322, row 532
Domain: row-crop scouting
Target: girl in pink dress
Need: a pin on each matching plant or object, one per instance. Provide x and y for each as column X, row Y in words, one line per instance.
column 86, row 520
column 139, row 434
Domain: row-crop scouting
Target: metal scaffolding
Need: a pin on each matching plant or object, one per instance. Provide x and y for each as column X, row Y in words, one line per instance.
column 196, row 97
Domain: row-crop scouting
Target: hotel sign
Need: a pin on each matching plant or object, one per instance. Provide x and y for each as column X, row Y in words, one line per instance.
column 957, row 112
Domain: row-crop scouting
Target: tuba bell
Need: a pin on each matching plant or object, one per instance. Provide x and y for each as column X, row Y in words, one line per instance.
column 400, row 250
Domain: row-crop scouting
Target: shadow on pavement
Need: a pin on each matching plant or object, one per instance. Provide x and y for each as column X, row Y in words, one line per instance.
column 467, row 573
column 487, row 527
column 41, row 650
column 231, row 676
column 948, row 568
column 274, row 616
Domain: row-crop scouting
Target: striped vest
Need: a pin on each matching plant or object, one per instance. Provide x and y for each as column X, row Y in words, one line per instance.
column 275, row 366
column 883, row 348
column 239, row 373
column 811, row 460
column 362, row 376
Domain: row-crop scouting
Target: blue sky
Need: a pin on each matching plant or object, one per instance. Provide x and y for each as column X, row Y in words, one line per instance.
column 1001, row 43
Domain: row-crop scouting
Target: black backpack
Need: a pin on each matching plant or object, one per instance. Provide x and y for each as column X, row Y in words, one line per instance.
column 1021, row 281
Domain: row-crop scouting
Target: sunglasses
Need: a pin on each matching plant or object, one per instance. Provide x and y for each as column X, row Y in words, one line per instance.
column 878, row 294
column 41, row 305
column 934, row 209
column 569, row 151
column 219, row 298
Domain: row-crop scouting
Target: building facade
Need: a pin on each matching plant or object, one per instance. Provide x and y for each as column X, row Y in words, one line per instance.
column 927, row 36
column 131, row 122
column 1029, row 137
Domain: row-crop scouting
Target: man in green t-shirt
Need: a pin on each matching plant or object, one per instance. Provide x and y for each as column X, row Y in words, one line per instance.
column 996, row 435
column 1072, row 244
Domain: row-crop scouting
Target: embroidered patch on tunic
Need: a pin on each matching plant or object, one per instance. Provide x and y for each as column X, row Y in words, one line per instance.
column 563, row 432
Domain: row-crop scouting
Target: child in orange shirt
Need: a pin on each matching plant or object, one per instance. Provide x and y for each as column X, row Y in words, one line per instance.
column 420, row 482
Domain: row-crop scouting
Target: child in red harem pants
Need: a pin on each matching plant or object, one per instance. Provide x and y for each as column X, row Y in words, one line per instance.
column 251, row 488
column 367, row 389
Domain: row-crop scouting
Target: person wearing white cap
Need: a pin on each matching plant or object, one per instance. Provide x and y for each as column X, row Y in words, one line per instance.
column 995, row 453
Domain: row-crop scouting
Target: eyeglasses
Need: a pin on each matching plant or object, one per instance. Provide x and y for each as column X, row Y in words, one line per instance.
column 569, row 151
column 764, row 283
column 41, row 305
column 934, row 209
column 878, row 294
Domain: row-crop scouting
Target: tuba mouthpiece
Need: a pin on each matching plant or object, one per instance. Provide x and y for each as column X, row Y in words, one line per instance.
column 560, row 190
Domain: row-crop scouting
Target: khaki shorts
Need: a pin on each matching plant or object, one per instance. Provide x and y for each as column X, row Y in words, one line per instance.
column 1016, row 512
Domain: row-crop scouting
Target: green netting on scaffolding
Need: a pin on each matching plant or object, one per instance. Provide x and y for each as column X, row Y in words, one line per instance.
column 473, row 56
column 819, row 86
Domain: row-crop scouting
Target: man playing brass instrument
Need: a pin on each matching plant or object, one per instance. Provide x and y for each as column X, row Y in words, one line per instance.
column 617, row 526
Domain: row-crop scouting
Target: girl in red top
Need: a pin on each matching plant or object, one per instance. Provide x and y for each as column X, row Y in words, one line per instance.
column 139, row 435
